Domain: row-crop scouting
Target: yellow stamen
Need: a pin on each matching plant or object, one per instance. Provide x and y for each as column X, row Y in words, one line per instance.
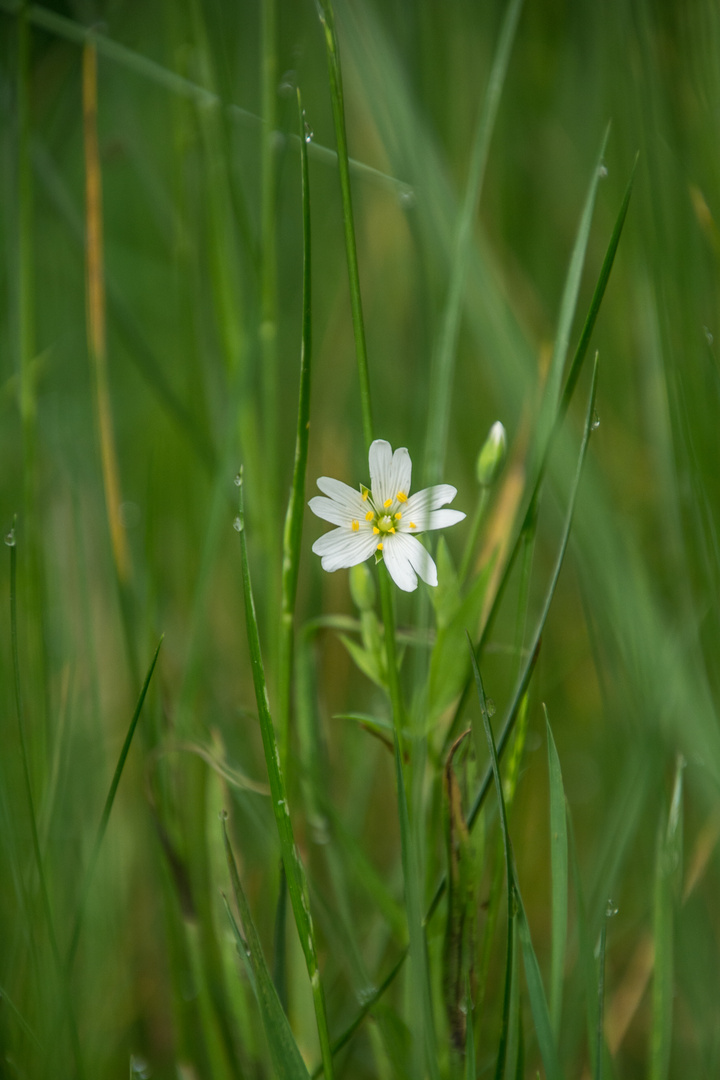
column 369, row 516
column 388, row 502
column 401, row 496
column 413, row 525
column 392, row 530
column 379, row 547
column 375, row 529
column 397, row 516
column 355, row 526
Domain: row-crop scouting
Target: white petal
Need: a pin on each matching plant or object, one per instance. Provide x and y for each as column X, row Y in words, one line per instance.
column 420, row 506
column 400, row 473
column 342, row 548
column 442, row 519
column 345, row 496
column 405, row 557
column 332, row 511
column 380, row 460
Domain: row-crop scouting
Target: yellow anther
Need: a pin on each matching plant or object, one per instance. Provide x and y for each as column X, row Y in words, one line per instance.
column 401, row 496
column 355, row 526
column 413, row 525
column 369, row 516
column 379, row 547
column 392, row 530
column 388, row 502
column 375, row 529
column 397, row 516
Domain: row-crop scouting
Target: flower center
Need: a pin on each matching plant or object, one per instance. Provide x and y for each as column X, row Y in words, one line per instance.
column 383, row 522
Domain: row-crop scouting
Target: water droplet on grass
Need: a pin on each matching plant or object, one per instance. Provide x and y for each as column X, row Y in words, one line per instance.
column 708, row 336
column 288, row 84
column 490, row 705
column 602, row 171
column 238, row 480
column 595, row 422
column 10, row 538
column 309, row 133
column 407, row 199
column 610, row 909
column 238, row 524
column 366, row 994
column 223, row 815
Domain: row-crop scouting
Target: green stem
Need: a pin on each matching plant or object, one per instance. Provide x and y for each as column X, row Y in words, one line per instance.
column 393, row 675
column 296, row 504
column 472, row 539
column 294, row 870
column 327, row 18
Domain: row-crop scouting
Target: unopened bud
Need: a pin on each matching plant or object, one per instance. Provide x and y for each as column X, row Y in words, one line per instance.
column 362, row 587
column 492, row 456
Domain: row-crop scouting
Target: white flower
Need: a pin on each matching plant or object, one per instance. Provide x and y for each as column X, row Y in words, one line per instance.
column 383, row 517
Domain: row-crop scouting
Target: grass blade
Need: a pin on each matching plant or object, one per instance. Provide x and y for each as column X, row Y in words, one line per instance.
column 538, row 1001
column 107, row 809
column 600, row 1040
column 297, row 884
column 666, row 890
column 507, row 850
column 559, row 865
column 286, row 1057
column 327, row 17
column 292, row 538
column 443, row 360
column 425, row 1055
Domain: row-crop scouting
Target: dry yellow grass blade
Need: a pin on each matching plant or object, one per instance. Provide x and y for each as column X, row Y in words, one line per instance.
column 95, row 286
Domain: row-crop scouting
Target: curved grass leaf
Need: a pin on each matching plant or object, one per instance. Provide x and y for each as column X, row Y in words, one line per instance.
column 286, row 1057
column 559, row 866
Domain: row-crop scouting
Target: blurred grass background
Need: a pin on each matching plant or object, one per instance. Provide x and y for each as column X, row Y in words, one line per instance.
column 201, row 227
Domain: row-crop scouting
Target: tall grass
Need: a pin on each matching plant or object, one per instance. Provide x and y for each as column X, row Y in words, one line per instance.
column 316, row 832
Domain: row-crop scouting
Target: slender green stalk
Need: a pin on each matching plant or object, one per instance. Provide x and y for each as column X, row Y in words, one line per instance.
column 600, row 1043
column 393, row 674
column 294, row 870
column 559, row 868
column 26, row 384
column 292, row 539
column 105, row 816
column 47, row 909
column 268, row 244
column 327, row 17
column 473, row 533
column 443, row 360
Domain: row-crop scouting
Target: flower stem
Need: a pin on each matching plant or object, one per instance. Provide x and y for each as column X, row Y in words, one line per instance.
column 472, row 539
column 393, row 674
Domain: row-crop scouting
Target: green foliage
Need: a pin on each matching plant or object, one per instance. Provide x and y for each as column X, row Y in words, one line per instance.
column 161, row 323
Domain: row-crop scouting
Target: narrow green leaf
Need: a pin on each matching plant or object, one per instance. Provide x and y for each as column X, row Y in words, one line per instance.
column 600, row 1038
column 286, row 1057
column 425, row 1057
column 666, row 877
column 470, row 1068
column 538, row 1001
column 507, row 849
column 586, row 958
column 559, row 866
column 292, row 537
column 443, row 361
column 107, row 809
column 294, row 870
column 459, row 948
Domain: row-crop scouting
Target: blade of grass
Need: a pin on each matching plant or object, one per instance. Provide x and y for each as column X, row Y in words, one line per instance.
column 297, row 884
column 666, row 880
column 66, row 1004
column 585, row 949
column 268, row 247
column 507, row 851
column 327, row 18
column 443, row 360
column 538, row 1001
column 286, row 1057
column 559, row 867
column 292, row 538
column 535, row 485
column 600, row 1037
column 424, row 1050
column 107, row 810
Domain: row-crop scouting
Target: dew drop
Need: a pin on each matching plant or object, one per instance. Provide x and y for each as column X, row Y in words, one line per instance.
column 238, row 480
column 610, row 909
column 288, row 84
column 407, row 199
column 223, row 815
column 10, row 538
column 309, row 133
column 366, row 994
column 238, row 524
column 602, row 171
column 490, row 705
column 595, row 422
column 708, row 335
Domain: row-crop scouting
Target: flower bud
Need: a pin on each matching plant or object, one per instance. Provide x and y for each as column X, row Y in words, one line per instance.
column 492, row 456
column 362, row 587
